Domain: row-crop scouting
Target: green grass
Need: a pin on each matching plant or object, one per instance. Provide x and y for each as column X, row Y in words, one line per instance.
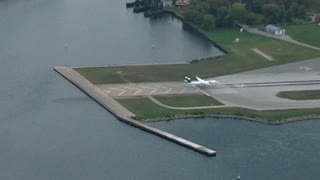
column 240, row 58
column 300, row 95
column 145, row 109
column 187, row 100
column 307, row 33
column 102, row 75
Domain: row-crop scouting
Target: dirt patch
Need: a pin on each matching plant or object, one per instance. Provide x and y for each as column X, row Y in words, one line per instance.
column 263, row 54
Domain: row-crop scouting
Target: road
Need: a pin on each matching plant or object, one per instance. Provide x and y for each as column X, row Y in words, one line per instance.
column 286, row 38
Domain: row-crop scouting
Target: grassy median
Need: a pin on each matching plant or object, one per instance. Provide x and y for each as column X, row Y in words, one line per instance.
column 306, row 33
column 190, row 100
column 300, row 95
column 145, row 109
column 241, row 58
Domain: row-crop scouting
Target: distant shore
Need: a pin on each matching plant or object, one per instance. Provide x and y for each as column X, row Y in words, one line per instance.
column 198, row 31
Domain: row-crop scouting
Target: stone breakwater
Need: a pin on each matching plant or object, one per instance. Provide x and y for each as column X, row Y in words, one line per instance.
column 121, row 112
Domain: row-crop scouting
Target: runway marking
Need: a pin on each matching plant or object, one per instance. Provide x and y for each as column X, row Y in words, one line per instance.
column 306, row 68
column 167, row 91
column 153, row 91
column 122, row 91
column 239, row 85
column 146, row 87
column 183, row 90
column 137, row 91
column 204, row 92
column 106, row 91
column 117, row 89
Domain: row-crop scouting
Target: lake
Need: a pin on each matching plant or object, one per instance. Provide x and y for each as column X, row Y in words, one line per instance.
column 51, row 130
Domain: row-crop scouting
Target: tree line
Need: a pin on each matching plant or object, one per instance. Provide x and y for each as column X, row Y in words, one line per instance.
column 210, row 13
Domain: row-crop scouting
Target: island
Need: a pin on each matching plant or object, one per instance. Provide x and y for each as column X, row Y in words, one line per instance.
column 264, row 77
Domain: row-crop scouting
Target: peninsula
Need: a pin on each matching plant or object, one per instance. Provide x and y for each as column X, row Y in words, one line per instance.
column 259, row 77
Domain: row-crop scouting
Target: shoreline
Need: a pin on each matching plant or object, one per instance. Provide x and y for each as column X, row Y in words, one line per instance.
column 241, row 118
column 123, row 114
column 198, row 31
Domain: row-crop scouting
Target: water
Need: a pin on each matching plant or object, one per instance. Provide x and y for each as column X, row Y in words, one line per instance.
column 51, row 130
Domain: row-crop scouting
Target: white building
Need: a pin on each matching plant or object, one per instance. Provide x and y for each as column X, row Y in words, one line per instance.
column 274, row 30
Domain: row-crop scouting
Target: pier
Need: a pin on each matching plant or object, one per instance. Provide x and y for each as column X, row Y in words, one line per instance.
column 121, row 112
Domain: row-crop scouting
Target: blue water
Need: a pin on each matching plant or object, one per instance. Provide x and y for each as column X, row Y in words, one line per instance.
column 51, row 130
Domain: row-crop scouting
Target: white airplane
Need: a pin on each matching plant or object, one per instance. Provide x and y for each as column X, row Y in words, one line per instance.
column 200, row 82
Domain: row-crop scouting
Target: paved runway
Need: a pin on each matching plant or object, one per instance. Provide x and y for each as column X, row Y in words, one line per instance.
column 143, row 89
column 253, row 89
column 257, row 89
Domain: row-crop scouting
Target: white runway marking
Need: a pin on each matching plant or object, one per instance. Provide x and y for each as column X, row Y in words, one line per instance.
column 167, row 91
column 204, row 92
column 183, row 90
column 306, row 68
column 137, row 91
column 122, row 91
column 153, row 91
column 106, row 91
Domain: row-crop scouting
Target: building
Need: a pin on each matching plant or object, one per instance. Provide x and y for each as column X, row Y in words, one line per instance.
column 274, row 30
column 182, row 2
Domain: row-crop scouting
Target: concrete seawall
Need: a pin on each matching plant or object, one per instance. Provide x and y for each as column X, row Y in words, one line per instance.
column 121, row 112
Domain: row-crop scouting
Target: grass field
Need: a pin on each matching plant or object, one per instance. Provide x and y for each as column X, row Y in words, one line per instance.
column 187, row 100
column 307, row 33
column 300, row 95
column 240, row 58
column 144, row 109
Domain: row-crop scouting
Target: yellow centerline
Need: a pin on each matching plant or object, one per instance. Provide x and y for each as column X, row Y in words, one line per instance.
column 167, row 91
column 183, row 90
column 122, row 91
column 153, row 91
column 145, row 87
column 117, row 89
column 137, row 91
column 106, row 91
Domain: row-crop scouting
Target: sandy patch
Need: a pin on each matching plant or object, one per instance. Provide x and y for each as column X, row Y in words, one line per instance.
column 263, row 54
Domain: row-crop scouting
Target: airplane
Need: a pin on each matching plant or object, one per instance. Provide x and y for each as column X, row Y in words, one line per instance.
column 200, row 82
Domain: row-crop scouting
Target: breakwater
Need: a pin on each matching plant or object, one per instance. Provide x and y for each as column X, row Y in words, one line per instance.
column 121, row 112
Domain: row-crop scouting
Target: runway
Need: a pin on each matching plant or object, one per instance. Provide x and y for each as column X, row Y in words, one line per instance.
column 269, row 84
column 146, row 89
column 253, row 89
column 257, row 89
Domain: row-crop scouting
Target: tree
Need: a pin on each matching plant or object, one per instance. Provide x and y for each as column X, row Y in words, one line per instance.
column 189, row 15
column 239, row 12
column 208, row 22
column 272, row 13
column 223, row 16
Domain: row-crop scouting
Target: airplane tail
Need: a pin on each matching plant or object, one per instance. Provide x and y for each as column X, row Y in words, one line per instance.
column 187, row 79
